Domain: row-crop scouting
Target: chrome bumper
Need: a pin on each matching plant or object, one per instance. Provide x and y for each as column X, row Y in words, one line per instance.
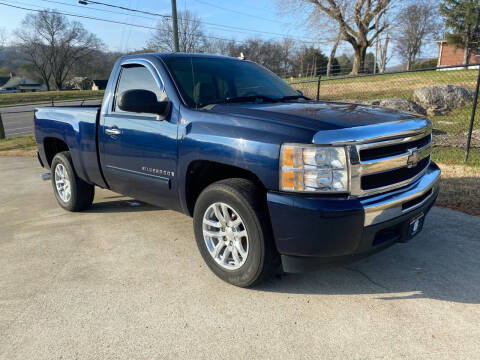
column 387, row 206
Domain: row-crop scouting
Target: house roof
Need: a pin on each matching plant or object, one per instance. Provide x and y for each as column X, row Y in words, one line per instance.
column 18, row 80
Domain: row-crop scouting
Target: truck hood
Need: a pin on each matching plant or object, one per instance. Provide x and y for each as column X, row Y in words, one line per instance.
column 315, row 115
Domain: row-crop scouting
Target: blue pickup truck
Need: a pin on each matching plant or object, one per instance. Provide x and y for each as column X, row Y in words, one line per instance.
column 272, row 179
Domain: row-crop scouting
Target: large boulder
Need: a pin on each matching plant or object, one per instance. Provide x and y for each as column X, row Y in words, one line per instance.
column 441, row 99
column 398, row 104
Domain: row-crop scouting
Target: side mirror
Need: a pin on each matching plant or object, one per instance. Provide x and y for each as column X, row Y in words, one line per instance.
column 142, row 101
column 300, row 92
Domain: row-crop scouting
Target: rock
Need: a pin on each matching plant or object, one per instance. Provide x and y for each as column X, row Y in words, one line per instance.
column 441, row 99
column 398, row 104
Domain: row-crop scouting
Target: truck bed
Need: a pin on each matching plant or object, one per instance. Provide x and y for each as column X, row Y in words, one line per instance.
column 77, row 127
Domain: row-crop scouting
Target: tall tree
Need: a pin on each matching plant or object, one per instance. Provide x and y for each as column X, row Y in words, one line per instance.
column 333, row 51
column 361, row 22
column 415, row 22
column 3, row 37
column 55, row 45
column 462, row 19
column 190, row 34
column 383, row 50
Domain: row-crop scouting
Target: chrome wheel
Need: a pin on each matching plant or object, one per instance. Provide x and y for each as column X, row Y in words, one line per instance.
column 62, row 183
column 225, row 236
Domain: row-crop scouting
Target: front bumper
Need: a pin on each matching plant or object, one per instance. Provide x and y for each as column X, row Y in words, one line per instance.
column 311, row 229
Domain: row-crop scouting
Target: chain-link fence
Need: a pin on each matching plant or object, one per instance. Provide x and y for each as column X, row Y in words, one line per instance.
column 447, row 95
column 17, row 120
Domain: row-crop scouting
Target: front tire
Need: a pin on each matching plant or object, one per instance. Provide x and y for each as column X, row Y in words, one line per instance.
column 233, row 232
column 71, row 192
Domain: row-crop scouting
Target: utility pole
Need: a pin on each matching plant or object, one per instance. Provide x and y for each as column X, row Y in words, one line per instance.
column 175, row 25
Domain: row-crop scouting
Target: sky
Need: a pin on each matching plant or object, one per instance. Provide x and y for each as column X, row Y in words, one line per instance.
column 256, row 18
column 233, row 20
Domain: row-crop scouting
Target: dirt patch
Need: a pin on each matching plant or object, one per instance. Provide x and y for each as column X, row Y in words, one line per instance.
column 456, row 140
column 19, row 152
column 460, row 188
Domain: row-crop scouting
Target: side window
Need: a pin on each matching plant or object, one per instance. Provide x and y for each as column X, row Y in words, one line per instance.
column 137, row 77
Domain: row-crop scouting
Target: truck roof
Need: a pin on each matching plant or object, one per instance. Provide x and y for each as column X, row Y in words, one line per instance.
column 179, row 55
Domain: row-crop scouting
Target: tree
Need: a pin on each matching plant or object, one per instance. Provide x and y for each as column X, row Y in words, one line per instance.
column 462, row 19
column 415, row 22
column 383, row 53
column 333, row 51
column 3, row 37
column 190, row 34
column 346, row 63
column 55, row 44
column 360, row 22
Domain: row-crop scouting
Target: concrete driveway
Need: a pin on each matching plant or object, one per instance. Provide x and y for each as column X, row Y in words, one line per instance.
column 123, row 281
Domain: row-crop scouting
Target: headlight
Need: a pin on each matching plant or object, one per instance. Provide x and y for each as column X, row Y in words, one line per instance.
column 311, row 168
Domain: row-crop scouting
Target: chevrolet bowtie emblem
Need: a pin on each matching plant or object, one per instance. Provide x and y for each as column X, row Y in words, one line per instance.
column 413, row 157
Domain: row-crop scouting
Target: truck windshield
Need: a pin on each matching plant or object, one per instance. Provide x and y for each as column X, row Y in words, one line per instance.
column 203, row 81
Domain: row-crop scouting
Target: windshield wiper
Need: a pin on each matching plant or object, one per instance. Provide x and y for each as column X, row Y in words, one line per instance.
column 242, row 99
column 293, row 97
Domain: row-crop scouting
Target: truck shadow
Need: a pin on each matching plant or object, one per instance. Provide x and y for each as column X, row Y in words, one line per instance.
column 442, row 263
column 118, row 206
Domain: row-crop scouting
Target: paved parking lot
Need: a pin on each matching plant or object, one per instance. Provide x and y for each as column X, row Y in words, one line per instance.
column 123, row 281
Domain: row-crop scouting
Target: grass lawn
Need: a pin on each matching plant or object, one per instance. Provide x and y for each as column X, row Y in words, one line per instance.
column 18, row 146
column 459, row 188
column 455, row 156
column 47, row 96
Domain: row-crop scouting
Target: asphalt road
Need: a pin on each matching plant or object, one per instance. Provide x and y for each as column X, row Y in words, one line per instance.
column 122, row 281
column 17, row 120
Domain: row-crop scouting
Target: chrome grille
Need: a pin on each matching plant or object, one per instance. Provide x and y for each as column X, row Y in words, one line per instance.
column 389, row 164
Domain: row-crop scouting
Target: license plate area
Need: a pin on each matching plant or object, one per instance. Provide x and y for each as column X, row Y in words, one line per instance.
column 415, row 225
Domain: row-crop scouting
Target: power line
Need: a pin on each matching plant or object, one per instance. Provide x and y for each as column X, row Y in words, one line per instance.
column 86, row 2
column 134, row 25
column 97, row 9
column 108, row 21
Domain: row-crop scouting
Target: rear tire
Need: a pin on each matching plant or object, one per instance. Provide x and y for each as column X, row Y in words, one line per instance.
column 233, row 232
column 71, row 192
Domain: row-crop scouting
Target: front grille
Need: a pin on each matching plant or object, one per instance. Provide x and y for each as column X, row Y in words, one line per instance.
column 392, row 150
column 387, row 178
column 389, row 164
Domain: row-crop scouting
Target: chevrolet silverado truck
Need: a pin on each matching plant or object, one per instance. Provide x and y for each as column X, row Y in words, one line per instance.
column 273, row 180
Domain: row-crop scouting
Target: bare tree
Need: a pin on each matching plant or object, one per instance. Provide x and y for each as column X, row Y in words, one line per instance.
column 333, row 51
column 3, row 37
column 360, row 21
column 55, row 45
column 190, row 34
column 414, row 23
column 383, row 49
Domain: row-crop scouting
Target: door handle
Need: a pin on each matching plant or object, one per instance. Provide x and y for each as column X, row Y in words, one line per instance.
column 113, row 131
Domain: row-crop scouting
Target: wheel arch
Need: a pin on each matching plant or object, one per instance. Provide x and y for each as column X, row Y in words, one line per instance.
column 202, row 173
column 52, row 146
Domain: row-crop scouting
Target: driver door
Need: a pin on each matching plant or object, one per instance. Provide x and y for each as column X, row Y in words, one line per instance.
column 139, row 151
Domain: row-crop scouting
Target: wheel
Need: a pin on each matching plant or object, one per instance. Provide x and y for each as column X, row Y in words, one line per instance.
column 233, row 232
column 71, row 192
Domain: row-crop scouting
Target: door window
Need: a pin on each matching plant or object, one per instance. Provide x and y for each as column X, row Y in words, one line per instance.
column 137, row 77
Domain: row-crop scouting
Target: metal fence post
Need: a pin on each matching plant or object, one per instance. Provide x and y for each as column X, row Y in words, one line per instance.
column 2, row 129
column 318, row 86
column 52, row 101
column 472, row 118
